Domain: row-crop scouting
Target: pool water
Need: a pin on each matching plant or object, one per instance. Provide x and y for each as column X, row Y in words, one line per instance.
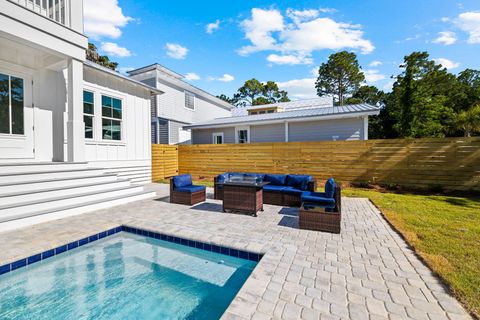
column 125, row 276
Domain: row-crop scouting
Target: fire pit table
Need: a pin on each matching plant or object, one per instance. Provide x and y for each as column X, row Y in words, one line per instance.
column 243, row 195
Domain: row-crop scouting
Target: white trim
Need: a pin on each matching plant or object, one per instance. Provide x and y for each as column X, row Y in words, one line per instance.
column 365, row 128
column 241, row 128
column 218, row 134
column 286, row 131
column 122, row 126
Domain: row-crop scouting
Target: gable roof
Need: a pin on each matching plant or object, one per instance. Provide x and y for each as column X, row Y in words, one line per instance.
column 176, row 79
column 98, row 67
column 347, row 111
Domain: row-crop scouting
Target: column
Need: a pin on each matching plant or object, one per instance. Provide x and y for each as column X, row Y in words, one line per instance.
column 75, row 125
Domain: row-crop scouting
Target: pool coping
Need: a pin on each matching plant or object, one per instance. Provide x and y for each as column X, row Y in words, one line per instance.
column 24, row 262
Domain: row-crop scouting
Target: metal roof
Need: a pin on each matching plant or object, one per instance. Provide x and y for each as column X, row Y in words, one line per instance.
column 330, row 112
column 98, row 67
column 305, row 103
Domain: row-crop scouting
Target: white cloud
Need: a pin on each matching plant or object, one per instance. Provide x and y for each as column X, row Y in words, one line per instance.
column 103, row 19
column 470, row 23
column 445, row 19
column 191, row 76
column 373, row 76
column 300, row 33
column 225, row 78
column 446, row 37
column 299, row 88
column 212, row 27
column 289, row 59
column 375, row 63
column 113, row 49
column 449, row 64
column 259, row 28
column 176, row 51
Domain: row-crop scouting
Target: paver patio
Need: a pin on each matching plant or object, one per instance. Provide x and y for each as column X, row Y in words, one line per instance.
column 366, row 272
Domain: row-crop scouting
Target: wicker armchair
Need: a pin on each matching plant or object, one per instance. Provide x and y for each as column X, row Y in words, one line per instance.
column 182, row 191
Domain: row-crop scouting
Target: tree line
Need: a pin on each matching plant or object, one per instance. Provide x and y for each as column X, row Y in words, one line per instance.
column 426, row 100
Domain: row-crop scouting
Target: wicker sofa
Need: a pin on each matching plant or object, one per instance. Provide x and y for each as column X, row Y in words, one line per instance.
column 282, row 190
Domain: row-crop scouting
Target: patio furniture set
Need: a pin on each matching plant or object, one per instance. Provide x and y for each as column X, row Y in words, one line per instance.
column 248, row 192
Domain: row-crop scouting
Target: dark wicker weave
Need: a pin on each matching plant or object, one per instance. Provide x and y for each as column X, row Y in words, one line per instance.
column 186, row 198
column 319, row 220
column 242, row 198
column 269, row 197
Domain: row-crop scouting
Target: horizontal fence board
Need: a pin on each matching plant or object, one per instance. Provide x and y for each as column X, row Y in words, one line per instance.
column 451, row 163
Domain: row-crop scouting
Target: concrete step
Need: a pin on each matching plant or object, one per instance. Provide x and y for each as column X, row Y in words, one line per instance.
column 59, row 191
column 38, row 185
column 24, row 220
column 7, row 212
column 26, row 167
column 42, row 175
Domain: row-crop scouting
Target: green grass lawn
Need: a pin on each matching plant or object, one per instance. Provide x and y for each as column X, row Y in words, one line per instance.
column 444, row 230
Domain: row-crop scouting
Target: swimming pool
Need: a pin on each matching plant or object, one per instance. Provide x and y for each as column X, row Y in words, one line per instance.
column 125, row 276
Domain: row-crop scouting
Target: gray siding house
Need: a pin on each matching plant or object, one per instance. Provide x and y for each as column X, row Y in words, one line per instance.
column 181, row 104
column 287, row 122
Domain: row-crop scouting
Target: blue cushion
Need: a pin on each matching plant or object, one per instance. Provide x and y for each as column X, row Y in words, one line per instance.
column 316, row 197
column 190, row 189
column 182, row 180
column 298, row 181
column 330, row 188
column 222, row 177
column 292, row 190
column 276, row 179
column 271, row 188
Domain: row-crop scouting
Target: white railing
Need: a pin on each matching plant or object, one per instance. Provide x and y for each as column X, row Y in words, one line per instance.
column 57, row 10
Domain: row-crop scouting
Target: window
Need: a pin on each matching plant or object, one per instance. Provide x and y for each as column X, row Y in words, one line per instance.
column 189, row 100
column 253, row 112
column 88, row 113
column 111, row 118
column 242, row 135
column 218, row 138
column 262, row 112
column 270, row 111
column 11, row 104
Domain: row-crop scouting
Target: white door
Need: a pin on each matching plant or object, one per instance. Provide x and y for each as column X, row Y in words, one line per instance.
column 16, row 116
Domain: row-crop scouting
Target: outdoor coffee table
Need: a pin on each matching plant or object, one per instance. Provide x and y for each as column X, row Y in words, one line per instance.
column 244, row 196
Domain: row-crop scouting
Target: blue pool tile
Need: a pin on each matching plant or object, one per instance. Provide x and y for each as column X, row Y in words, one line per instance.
column 191, row 243
column 176, row 240
column 157, row 235
column 234, row 253
column 102, row 235
column 215, row 249
column 61, row 249
column 48, row 254
column 199, row 245
column 82, row 242
column 253, row 257
column 72, row 245
column 163, row 237
column 118, row 229
column 242, row 254
column 34, row 258
column 5, row 269
column 93, row 238
column 184, row 242
column 207, row 246
column 225, row 251
column 19, row 264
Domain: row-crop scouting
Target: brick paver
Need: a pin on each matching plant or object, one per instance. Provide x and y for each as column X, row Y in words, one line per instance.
column 366, row 272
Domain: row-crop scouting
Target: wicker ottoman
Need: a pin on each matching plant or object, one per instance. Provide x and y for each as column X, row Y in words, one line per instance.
column 319, row 219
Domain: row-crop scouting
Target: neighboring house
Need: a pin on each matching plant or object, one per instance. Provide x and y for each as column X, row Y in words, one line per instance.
column 303, row 120
column 73, row 135
column 181, row 104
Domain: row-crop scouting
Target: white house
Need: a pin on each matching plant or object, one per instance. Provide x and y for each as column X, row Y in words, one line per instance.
column 302, row 120
column 180, row 105
column 74, row 136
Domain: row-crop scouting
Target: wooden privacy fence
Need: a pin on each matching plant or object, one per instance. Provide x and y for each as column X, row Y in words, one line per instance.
column 449, row 164
column 164, row 161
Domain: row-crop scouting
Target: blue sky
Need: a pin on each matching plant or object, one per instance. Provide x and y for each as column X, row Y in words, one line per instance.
column 220, row 44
